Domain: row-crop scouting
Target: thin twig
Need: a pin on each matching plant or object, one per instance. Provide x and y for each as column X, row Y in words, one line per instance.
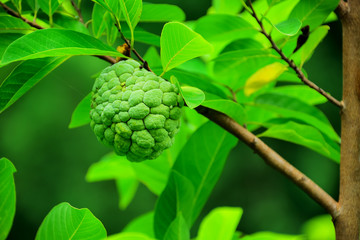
column 272, row 158
column 291, row 63
column 145, row 64
column 77, row 9
column 17, row 15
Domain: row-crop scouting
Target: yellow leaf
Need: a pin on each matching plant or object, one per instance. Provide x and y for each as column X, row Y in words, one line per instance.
column 263, row 76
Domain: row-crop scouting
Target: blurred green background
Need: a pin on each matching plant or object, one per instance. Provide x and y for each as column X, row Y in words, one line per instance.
column 52, row 160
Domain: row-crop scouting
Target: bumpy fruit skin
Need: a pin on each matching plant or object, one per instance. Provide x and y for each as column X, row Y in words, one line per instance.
column 135, row 111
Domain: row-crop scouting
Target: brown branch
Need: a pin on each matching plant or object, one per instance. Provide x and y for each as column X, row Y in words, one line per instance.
column 77, row 9
column 144, row 62
column 342, row 9
column 273, row 159
column 291, row 62
column 17, row 15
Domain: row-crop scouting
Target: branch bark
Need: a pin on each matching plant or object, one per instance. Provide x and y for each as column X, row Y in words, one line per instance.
column 291, row 63
column 347, row 223
column 273, row 159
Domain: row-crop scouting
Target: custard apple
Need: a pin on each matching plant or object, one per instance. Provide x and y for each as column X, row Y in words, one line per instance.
column 135, row 111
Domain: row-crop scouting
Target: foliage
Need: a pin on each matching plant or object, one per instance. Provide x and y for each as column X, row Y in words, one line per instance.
column 220, row 61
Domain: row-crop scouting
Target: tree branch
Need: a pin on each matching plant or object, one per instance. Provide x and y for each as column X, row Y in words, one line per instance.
column 77, row 9
column 273, row 159
column 342, row 9
column 145, row 64
column 291, row 62
column 17, row 15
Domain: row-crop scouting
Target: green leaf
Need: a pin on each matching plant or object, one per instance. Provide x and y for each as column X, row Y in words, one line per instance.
column 131, row 10
column 193, row 177
column 263, row 76
column 228, row 107
column 272, row 236
column 313, row 12
column 99, row 20
column 24, row 77
column 242, row 44
column 179, row 44
column 220, row 224
column 61, row 21
column 154, row 174
column 287, row 107
column 9, row 24
column 303, row 135
column 178, row 229
column 49, row 6
column 196, row 80
column 66, row 222
column 7, row 196
column 227, row 65
column 55, row 42
column 289, row 27
column 110, row 167
column 142, row 224
column 161, row 13
column 126, row 188
column 34, row 5
column 129, row 236
column 192, row 96
column 17, row 4
column 152, row 57
column 221, row 29
column 227, row 6
column 319, row 228
column 80, row 116
column 303, row 93
column 306, row 51
column 143, row 36
column 6, row 39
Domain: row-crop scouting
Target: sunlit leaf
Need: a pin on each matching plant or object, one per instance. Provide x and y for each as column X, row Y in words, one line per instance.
column 319, row 228
column 24, row 77
column 49, row 6
column 192, row 96
column 7, row 196
column 304, row 93
column 263, row 76
column 178, row 229
column 313, row 12
column 66, row 222
column 142, row 224
column 6, row 39
column 220, row 224
column 304, row 135
column 129, row 236
column 131, row 10
column 235, row 67
column 179, row 44
column 55, row 42
column 230, row 108
column 227, row 6
column 161, row 13
column 99, row 20
column 272, row 236
column 9, row 24
column 288, row 107
column 289, row 27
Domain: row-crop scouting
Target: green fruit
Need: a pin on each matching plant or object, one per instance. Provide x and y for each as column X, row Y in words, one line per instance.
column 135, row 111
